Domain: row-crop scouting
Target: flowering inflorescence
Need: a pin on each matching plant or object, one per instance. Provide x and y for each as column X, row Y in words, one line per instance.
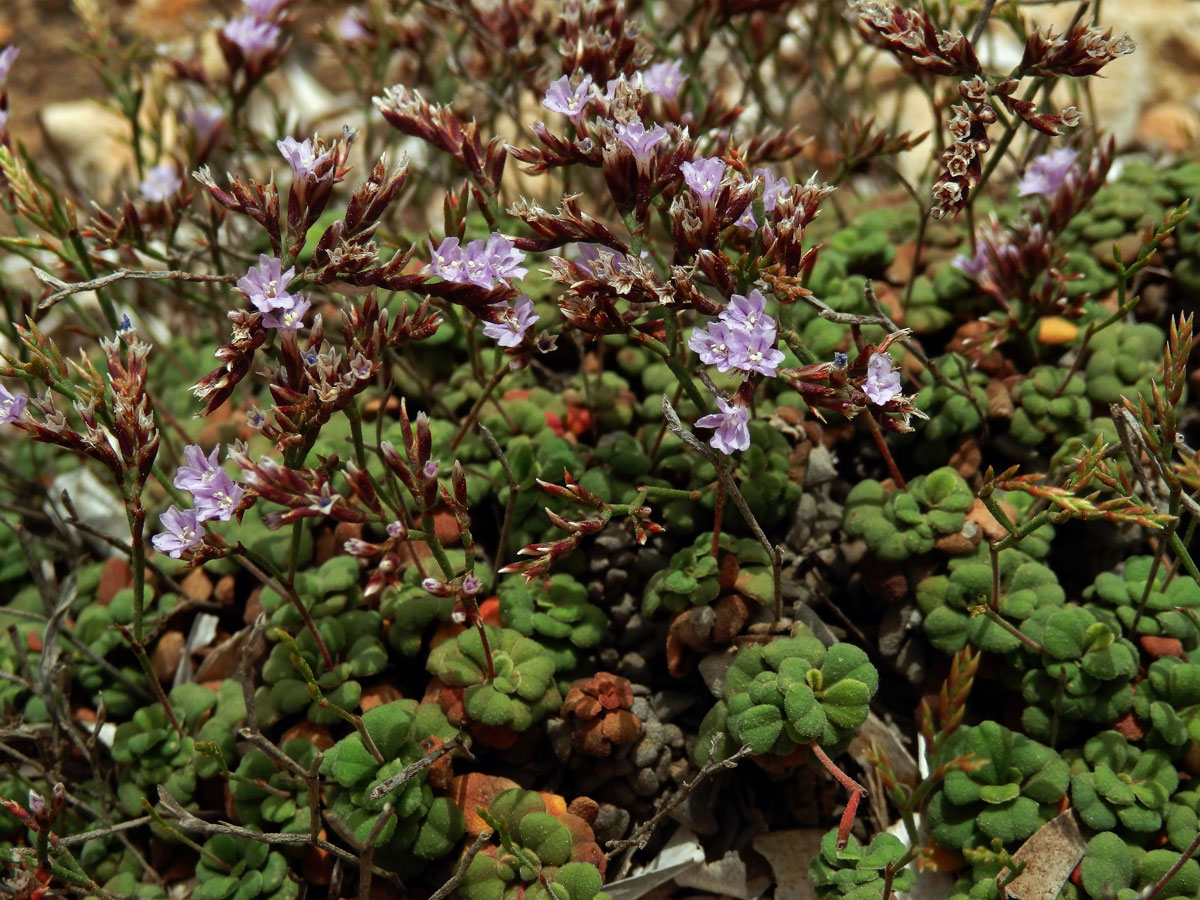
column 480, row 263
column 743, row 338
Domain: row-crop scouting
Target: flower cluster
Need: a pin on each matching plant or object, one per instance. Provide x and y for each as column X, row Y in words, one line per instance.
column 215, row 495
column 265, row 286
column 478, row 263
column 743, row 338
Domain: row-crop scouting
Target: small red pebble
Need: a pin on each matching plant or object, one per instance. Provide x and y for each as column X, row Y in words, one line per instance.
column 1158, row 646
column 555, row 422
column 579, row 420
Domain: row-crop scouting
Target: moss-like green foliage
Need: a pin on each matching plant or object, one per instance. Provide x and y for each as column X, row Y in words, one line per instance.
column 927, row 310
column 950, row 411
column 1165, row 612
column 1052, row 403
column 1169, row 699
column 154, row 753
column 270, row 797
column 1116, row 785
column 909, row 522
column 353, row 640
column 541, row 857
column 325, row 591
column 857, row 872
column 423, row 827
column 1008, row 797
column 556, row 611
column 523, row 691
column 1123, row 360
column 693, row 576
column 96, row 627
column 1111, row 867
column 1182, row 818
column 947, row 600
column 236, row 868
column 1084, row 674
column 794, row 691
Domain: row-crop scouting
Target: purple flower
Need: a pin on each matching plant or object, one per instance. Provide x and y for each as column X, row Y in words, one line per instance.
column 265, row 285
column 253, row 37
column 287, row 319
column 161, row 183
column 640, row 141
column 8, row 56
column 350, row 27
column 773, row 188
column 199, row 471
column 183, row 532
column 219, row 499
column 883, row 381
column 447, row 260
column 664, row 79
column 731, row 424
column 570, row 102
column 206, row 120
column 301, row 156
column 704, row 177
column 747, row 220
column 504, row 258
column 758, row 354
column 12, row 406
column 746, row 313
column 974, row 267
column 3, row 120
column 717, row 346
column 510, row 331
column 1046, row 173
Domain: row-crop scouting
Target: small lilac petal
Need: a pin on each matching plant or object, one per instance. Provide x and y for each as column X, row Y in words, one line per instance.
column 703, row 176
column 252, row 36
column 8, row 56
column 183, row 532
column 568, row 101
column 161, row 183
column 301, row 156
column 287, row 319
column 883, row 381
column 265, row 285
column 732, row 427
column 664, row 78
column 510, row 331
column 12, row 406
column 1047, row 172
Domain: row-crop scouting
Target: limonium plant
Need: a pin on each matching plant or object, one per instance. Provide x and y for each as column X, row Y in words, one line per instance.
column 467, row 449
